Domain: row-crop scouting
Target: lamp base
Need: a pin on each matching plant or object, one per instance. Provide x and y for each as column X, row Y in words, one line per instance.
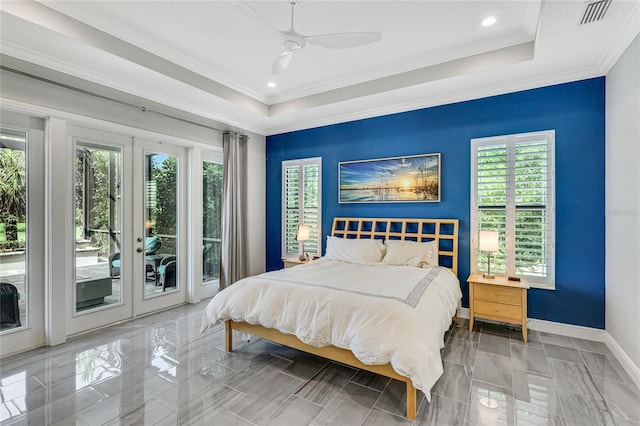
column 488, row 276
column 304, row 257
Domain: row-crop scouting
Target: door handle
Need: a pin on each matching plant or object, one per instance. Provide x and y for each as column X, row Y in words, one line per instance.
column 139, row 250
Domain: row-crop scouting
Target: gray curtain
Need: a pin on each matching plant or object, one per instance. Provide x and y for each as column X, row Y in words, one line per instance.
column 233, row 256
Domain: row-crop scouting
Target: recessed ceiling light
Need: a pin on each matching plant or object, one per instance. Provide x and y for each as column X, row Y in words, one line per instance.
column 488, row 21
column 271, row 84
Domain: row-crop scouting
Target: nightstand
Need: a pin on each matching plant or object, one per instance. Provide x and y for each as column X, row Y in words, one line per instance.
column 293, row 261
column 498, row 299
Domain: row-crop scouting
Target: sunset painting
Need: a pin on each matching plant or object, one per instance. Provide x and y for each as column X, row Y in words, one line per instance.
column 412, row 178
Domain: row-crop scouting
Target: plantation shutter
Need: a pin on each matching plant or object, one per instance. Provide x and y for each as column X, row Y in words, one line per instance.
column 512, row 193
column 492, row 200
column 301, row 205
column 532, row 237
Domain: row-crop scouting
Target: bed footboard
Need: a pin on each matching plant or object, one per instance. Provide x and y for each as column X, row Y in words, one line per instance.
column 329, row 352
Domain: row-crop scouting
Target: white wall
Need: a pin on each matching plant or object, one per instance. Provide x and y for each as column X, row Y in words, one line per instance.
column 623, row 202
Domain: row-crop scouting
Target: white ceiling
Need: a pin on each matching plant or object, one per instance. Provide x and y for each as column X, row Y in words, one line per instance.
column 213, row 58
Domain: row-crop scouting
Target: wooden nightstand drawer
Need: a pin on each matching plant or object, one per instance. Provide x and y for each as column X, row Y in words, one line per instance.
column 493, row 293
column 497, row 311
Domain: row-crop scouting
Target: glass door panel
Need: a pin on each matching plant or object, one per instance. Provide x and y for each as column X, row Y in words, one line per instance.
column 98, row 207
column 160, row 224
column 14, row 292
column 101, row 188
column 21, row 232
column 161, row 271
column 211, row 220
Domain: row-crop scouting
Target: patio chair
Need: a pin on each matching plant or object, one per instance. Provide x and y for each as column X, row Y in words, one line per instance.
column 151, row 246
column 206, row 260
column 9, row 309
column 167, row 271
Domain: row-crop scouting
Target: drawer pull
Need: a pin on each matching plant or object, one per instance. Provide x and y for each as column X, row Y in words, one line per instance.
column 497, row 294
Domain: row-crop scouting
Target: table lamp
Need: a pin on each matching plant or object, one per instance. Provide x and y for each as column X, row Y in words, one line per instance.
column 489, row 243
column 303, row 235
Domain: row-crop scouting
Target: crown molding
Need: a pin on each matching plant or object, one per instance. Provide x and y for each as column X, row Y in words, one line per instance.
column 626, row 35
column 135, row 38
column 426, row 102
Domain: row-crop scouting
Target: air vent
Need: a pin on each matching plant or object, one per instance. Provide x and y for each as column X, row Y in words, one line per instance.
column 594, row 11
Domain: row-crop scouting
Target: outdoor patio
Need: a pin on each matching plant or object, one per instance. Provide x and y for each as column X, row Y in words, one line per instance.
column 94, row 271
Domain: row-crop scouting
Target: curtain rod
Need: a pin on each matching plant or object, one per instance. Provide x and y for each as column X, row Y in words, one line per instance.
column 106, row 98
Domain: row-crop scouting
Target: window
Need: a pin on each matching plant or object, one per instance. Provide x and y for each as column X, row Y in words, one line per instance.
column 301, row 205
column 512, row 191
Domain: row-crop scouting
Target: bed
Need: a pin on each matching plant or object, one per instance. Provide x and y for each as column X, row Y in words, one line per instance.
column 385, row 315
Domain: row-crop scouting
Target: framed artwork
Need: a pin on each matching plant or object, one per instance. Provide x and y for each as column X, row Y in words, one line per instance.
column 396, row 179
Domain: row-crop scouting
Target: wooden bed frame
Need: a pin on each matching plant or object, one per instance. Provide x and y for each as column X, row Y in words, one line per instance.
column 445, row 231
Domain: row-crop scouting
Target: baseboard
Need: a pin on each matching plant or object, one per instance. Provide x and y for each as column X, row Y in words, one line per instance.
column 630, row 367
column 581, row 332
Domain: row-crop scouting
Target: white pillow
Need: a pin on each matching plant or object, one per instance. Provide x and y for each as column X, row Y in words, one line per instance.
column 365, row 251
column 411, row 253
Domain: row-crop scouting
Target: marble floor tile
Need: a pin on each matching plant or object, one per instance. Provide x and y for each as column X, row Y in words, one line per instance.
column 557, row 339
column 563, row 352
column 326, row 384
column 382, row 418
column 294, row 411
column 262, row 401
column 371, row 380
column 441, row 411
column 535, row 396
column 495, row 369
column 461, row 332
column 497, row 344
column 527, row 358
column 349, row 407
column 455, row 382
column 572, row 377
column 584, row 410
column 490, row 404
column 605, row 366
column 394, row 399
column 497, row 329
column 460, row 352
column 623, row 399
column 161, row 370
column 592, row 346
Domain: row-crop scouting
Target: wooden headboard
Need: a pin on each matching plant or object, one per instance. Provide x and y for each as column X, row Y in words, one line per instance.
column 445, row 231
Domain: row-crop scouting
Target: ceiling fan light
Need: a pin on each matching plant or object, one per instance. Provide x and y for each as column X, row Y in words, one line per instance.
column 281, row 62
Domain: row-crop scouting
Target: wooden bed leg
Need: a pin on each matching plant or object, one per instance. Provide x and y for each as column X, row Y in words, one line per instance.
column 411, row 401
column 228, row 336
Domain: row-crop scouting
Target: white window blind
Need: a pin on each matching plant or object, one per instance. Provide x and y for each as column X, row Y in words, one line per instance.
column 301, row 205
column 513, row 193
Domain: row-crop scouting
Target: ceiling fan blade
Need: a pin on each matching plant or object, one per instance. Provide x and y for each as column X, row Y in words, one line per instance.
column 257, row 18
column 281, row 62
column 344, row 40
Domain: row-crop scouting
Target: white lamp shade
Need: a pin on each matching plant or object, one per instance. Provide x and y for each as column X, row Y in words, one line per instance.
column 303, row 233
column 489, row 240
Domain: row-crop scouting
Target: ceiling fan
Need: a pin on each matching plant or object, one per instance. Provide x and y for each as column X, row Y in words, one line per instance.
column 293, row 41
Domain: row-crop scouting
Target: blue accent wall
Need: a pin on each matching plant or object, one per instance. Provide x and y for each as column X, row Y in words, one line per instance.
column 576, row 111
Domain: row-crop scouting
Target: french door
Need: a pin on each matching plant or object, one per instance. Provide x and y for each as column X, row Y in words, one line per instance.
column 128, row 228
column 21, row 233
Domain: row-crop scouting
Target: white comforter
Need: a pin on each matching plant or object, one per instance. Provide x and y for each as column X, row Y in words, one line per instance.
column 383, row 314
